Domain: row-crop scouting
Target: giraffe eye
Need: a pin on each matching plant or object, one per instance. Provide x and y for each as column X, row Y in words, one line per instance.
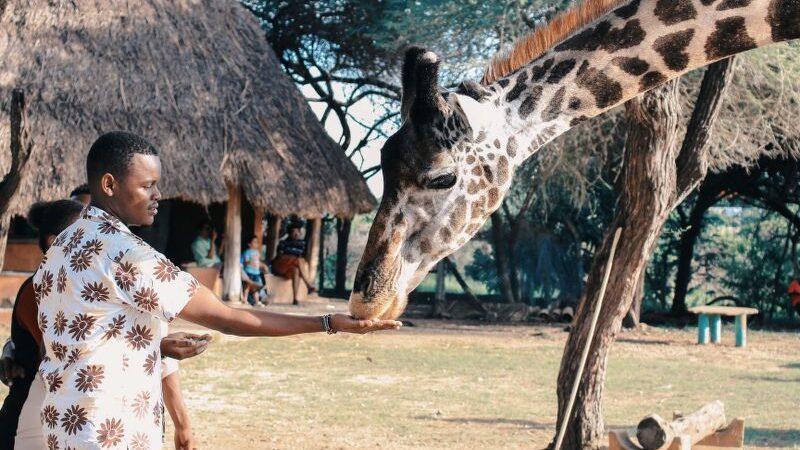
column 445, row 181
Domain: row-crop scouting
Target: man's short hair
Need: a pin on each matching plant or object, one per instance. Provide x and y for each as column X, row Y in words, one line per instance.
column 80, row 190
column 112, row 153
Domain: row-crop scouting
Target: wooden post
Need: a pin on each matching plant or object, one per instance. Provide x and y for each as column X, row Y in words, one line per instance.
column 343, row 235
column 702, row 329
column 258, row 225
column 716, row 328
column 741, row 330
column 321, row 257
column 273, row 235
column 313, row 228
column 232, row 272
column 439, row 298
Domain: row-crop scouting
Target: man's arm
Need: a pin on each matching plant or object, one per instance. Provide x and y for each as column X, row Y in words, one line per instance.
column 173, row 401
column 205, row 309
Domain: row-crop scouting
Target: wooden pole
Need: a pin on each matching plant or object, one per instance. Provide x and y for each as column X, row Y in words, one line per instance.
column 343, row 237
column 321, row 257
column 273, row 235
column 571, row 402
column 258, row 225
column 313, row 228
column 439, row 298
column 232, row 272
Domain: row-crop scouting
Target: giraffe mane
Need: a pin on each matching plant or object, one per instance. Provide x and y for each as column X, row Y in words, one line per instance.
column 538, row 41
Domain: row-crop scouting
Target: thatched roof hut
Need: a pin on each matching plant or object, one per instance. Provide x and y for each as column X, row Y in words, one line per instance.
column 196, row 77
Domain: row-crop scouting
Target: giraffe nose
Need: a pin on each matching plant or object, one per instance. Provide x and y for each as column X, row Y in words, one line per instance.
column 365, row 285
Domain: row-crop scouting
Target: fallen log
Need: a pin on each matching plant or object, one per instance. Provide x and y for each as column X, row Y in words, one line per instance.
column 656, row 433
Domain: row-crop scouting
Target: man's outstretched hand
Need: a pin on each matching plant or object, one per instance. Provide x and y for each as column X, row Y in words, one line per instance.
column 347, row 324
column 184, row 345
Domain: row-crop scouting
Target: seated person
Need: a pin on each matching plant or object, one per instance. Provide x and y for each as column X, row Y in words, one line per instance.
column 794, row 295
column 254, row 269
column 204, row 247
column 291, row 263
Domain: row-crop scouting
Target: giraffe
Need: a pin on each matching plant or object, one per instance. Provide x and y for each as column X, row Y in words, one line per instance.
column 452, row 160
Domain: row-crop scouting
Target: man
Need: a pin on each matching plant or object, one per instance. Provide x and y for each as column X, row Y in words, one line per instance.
column 204, row 247
column 794, row 295
column 103, row 294
column 291, row 263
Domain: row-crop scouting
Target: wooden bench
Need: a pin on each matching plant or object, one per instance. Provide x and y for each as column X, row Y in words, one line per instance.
column 709, row 323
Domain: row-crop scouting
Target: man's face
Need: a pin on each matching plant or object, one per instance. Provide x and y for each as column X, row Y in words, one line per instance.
column 294, row 233
column 136, row 194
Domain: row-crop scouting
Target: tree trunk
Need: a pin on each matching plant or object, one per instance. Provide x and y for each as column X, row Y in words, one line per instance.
column 656, row 177
column 232, row 271
column 501, row 257
column 683, row 276
column 633, row 318
column 313, row 229
column 646, row 199
column 21, row 147
column 273, row 235
column 343, row 235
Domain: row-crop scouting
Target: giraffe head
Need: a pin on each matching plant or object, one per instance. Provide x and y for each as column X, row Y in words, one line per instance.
column 444, row 174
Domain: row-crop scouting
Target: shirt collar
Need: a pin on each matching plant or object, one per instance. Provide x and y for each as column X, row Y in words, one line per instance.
column 97, row 215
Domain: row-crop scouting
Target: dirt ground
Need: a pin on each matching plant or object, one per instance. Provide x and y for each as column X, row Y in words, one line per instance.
column 445, row 385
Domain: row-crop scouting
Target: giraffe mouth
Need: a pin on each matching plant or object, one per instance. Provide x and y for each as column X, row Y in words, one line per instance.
column 378, row 296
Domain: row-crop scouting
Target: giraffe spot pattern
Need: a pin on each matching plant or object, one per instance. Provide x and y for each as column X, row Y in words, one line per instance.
column 511, row 147
column 554, row 106
column 707, row 2
column 577, row 120
column 782, row 18
column 537, row 72
column 605, row 37
column 671, row 12
column 606, row 91
column 729, row 37
column 629, row 36
column 518, row 88
column 503, row 82
column 732, row 4
column 561, row 70
column 632, row 66
column 488, row 174
column 496, row 143
column 574, row 103
column 502, row 170
column 651, row 79
column 529, row 104
column 672, row 49
column 627, row 11
column 481, row 136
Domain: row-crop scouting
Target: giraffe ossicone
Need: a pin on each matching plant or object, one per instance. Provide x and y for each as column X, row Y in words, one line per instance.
column 453, row 159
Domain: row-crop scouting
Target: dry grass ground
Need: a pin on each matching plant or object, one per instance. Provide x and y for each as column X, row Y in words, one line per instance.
column 441, row 385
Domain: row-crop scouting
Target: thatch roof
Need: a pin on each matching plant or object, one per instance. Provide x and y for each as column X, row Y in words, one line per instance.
column 196, row 77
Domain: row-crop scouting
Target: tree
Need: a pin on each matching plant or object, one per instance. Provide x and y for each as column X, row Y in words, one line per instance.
column 20, row 154
column 657, row 176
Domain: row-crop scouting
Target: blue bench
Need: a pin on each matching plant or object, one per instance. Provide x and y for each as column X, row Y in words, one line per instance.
column 709, row 323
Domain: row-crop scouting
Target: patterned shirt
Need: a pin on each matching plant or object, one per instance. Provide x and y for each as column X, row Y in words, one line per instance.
column 103, row 293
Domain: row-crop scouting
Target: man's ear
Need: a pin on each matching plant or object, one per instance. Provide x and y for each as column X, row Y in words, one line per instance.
column 107, row 184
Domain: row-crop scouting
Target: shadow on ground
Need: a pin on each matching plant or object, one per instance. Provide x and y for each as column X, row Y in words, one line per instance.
column 766, row 437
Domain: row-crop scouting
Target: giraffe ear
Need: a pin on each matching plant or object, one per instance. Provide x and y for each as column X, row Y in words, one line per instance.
column 422, row 100
column 476, row 114
column 409, row 81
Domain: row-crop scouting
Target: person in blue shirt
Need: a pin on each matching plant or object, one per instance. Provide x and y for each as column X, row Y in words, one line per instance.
column 255, row 270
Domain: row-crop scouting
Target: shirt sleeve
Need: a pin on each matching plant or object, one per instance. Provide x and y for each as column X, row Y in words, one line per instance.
column 146, row 280
column 168, row 367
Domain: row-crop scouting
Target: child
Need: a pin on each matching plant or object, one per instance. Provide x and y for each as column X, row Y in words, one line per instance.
column 255, row 270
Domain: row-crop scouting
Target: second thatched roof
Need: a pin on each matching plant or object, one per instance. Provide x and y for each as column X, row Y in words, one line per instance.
column 196, row 77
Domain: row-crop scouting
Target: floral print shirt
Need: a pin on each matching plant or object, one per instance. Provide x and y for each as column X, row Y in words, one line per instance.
column 103, row 293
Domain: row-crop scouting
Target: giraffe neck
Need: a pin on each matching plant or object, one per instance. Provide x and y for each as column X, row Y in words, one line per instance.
column 627, row 51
